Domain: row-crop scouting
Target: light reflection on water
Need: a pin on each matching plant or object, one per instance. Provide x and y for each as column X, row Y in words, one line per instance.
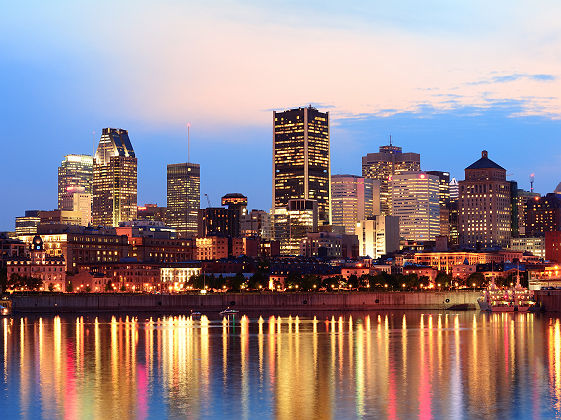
column 365, row 365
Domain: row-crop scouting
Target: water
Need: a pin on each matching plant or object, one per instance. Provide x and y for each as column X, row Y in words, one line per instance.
column 397, row 365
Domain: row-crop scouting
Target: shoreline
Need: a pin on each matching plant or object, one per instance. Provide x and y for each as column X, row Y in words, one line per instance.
column 329, row 301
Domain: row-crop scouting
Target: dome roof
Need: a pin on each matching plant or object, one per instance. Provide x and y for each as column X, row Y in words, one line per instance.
column 558, row 189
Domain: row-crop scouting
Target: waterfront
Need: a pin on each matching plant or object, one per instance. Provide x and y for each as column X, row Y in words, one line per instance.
column 351, row 365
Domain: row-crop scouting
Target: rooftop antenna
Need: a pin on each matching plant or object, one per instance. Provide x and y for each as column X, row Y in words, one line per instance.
column 188, row 142
column 390, row 139
column 532, row 182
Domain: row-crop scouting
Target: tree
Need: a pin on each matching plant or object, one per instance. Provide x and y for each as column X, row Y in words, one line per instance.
column 443, row 279
column 3, row 279
column 258, row 280
column 108, row 286
column 69, row 286
column 17, row 281
column 88, row 289
column 235, row 283
column 51, row 287
column 476, row 278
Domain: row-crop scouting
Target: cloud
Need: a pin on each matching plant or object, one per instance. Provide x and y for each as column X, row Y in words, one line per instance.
column 514, row 77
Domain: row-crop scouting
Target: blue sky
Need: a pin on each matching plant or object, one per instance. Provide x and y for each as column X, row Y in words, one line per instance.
column 445, row 79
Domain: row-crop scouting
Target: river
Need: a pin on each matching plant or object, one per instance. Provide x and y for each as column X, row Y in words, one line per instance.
column 396, row 365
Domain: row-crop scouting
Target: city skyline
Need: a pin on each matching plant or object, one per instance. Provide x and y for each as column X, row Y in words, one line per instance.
column 474, row 97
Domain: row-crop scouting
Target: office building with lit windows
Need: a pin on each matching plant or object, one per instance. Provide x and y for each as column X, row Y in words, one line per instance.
column 543, row 214
column 301, row 159
column 415, row 200
column 183, row 198
column 484, row 205
column 353, row 198
column 75, row 176
column 444, row 200
column 389, row 161
column 114, row 179
column 378, row 236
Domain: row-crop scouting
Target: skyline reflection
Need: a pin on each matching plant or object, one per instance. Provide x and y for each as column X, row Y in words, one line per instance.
column 388, row 365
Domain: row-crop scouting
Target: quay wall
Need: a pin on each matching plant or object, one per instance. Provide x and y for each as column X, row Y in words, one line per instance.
column 342, row 301
column 549, row 300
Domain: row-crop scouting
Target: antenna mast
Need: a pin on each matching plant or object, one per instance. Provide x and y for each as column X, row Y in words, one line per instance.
column 390, row 139
column 532, row 183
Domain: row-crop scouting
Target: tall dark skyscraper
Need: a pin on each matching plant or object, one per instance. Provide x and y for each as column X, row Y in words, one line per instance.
column 184, row 197
column 114, row 179
column 75, row 176
column 389, row 161
column 301, row 159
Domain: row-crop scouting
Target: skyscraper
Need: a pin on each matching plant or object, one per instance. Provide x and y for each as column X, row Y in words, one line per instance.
column 184, row 198
column 444, row 200
column 114, row 179
column 353, row 198
column 390, row 160
column 301, row 159
column 484, row 205
column 415, row 200
column 75, row 176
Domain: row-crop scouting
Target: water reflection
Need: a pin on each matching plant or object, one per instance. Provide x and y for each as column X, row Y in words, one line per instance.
column 382, row 365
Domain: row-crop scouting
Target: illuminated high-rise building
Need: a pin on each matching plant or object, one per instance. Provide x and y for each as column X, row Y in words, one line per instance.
column 301, row 159
column 415, row 200
column 114, row 179
column 184, row 198
column 484, row 205
column 444, row 200
column 75, row 176
column 389, row 161
column 353, row 198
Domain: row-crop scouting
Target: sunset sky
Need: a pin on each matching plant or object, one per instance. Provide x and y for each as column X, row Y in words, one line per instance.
column 445, row 79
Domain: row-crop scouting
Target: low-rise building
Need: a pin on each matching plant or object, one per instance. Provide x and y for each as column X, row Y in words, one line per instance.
column 421, row 271
column 51, row 270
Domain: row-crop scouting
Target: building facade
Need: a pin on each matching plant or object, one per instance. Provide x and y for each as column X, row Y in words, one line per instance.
column 527, row 244
column 301, row 159
column 543, row 214
column 218, row 221
column 75, row 175
column 415, row 200
column 114, row 179
column 378, row 236
column 484, row 205
column 390, row 160
column 256, row 223
column 183, row 197
column 353, row 198
column 51, row 270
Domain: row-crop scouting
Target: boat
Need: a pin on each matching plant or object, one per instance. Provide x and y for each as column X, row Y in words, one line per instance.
column 4, row 311
column 196, row 315
column 517, row 298
column 228, row 311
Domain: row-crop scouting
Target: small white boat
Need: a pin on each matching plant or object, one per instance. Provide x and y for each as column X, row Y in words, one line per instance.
column 229, row 311
column 4, row 311
column 196, row 315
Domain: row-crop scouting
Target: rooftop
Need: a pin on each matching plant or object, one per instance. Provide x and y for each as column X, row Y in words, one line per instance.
column 484, row 163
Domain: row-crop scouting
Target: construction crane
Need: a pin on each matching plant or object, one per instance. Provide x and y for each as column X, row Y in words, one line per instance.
column 208, row 200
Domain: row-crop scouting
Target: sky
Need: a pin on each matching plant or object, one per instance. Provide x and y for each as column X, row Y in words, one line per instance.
column 444, row 79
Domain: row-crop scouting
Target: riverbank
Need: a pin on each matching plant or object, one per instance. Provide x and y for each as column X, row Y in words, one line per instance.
column 342, row 301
